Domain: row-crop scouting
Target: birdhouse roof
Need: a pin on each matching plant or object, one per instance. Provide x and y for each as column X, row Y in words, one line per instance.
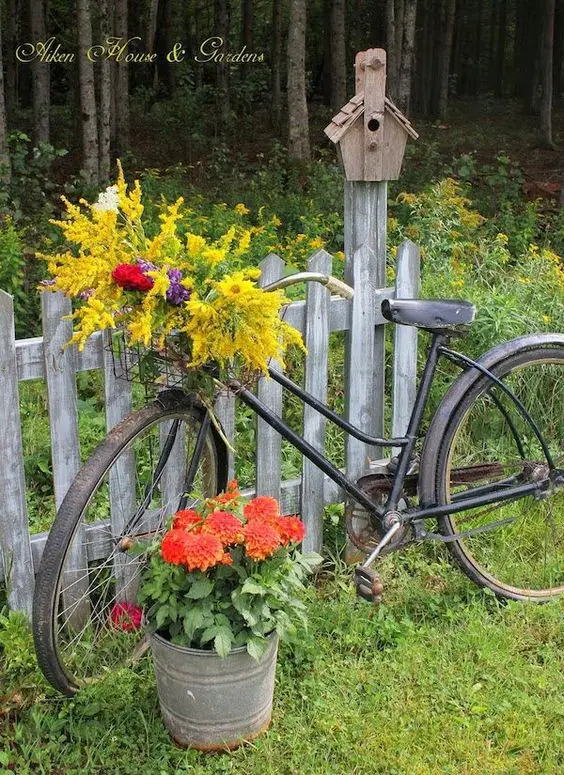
column 354, row 109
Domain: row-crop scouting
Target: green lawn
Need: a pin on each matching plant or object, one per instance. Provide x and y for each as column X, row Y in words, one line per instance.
column 439, row 679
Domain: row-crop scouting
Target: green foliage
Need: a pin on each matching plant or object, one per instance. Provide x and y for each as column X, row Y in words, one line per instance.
column 27, row 194
column 16, row 645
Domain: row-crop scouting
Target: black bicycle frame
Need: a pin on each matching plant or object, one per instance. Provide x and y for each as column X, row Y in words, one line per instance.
column 480, row 497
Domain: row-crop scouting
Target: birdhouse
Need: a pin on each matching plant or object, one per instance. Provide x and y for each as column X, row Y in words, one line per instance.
column 369, row 131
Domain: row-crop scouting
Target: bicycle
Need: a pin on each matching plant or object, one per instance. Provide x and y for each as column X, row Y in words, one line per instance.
column 482, row 452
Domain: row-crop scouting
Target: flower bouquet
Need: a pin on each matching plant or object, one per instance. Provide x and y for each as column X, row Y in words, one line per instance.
column 171, row 289
column 222, row 585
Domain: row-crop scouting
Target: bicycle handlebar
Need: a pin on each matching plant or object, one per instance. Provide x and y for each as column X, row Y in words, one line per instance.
column 331, row 283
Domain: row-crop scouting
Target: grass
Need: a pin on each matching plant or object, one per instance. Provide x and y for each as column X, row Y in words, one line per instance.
column 440, row 679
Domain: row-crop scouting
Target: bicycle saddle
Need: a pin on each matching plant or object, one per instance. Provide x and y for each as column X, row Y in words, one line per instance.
column 431, row 314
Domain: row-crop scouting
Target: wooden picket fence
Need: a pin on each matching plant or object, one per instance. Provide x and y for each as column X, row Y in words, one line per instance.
column 316, row 317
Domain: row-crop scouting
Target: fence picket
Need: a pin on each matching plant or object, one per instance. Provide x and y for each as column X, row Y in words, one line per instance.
column 268, row 440
column 225, row 413
column 315, row 382
column 15, row 545
column 118, row 402
column 60, row 374
column 405, row 340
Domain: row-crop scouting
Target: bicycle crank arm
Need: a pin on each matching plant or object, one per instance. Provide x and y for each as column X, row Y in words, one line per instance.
column 422, row 534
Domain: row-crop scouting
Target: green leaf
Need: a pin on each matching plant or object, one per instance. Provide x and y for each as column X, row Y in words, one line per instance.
column 223, row 640
column 162, row 614
column 202, row 587
column 208, row 634
column 193, row 620
column 250, row 587
column 256, row 647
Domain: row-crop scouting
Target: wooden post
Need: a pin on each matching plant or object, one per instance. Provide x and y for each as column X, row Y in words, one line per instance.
column 15, row 546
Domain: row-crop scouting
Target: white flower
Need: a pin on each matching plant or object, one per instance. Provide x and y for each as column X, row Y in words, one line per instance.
column 108, row 199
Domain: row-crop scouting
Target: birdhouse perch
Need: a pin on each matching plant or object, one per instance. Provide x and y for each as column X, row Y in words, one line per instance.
column 371, row 149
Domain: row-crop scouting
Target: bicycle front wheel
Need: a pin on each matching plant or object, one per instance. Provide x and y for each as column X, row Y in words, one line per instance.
column 487, row 445
column 85, row 619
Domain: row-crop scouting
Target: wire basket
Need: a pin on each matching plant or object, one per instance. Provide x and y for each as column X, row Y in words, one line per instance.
column 154, row 366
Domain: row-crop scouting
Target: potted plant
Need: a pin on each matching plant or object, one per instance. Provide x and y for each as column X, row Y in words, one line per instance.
column 222, row 586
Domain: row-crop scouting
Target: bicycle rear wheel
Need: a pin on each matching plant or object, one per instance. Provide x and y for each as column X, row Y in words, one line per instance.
column 487, row 444
column 85, row 619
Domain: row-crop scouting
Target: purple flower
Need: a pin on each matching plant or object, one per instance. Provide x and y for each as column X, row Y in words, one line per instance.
column 176, row 293
column 47, row 283
column 85, row 295
column 145, row 266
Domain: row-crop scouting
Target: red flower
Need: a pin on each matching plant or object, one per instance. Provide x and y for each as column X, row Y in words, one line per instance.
column 261, row 540
column 232, row 486
column 173, row 546
column 263, row 508
column 131, row 277
column 225, row 526
column 186, row 519
column 126, row 616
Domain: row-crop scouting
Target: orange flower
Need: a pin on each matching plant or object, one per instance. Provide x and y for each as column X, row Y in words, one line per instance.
column 195, row 550
column 225, row 497
column 261, row 540
column 232, row 486
column 292, row 529
column 262, row 508
column 225, row 526
column 227, row 559
column 185, row 519
column 203, row 551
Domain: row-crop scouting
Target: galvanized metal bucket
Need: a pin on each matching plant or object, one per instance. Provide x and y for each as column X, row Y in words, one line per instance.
column 210, row 702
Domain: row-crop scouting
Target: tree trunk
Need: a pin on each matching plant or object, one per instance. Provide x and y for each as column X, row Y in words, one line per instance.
column 338, row 55
column 298, row 126
column 151, row 29
column 104, row 117
column 11, row 84
column 247, row 24
column 445, row 54
column 500, row 48
column 222, row 26
column 121, row 81
column 276, row 66
column 90, row 159
column 325, row 70
column 546, row 64
column 40, row 75
column 408, row 40
column 163, row 44
column 4, row 155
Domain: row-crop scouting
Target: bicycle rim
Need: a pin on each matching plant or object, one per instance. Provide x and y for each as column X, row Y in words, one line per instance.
column 94, row 621
column 522, row 559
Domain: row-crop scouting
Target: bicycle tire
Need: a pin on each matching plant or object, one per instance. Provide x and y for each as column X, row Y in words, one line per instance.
column 57, row 657
column 509, row 560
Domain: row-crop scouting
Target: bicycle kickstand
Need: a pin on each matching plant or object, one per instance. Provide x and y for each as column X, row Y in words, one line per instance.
column 367, row 581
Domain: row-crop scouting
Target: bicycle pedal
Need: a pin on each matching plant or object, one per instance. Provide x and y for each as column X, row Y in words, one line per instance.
column 368, row 585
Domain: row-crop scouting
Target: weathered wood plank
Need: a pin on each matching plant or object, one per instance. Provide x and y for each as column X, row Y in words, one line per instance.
column 405, row 340
column 225, row 413
column 15, row 548
column 60, row 373
column 270, row 392
column 31, row 361
column 365, row 268
column 316, row 366
column 118, row 402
